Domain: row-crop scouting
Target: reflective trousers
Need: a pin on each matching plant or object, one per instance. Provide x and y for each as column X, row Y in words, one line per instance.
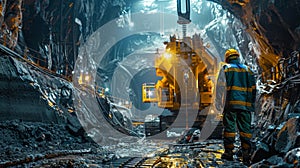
column 242, row 120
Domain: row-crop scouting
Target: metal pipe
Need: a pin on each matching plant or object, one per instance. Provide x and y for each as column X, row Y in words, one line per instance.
column 183, row 16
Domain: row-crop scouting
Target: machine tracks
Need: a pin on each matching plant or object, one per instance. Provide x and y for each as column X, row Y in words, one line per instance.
column 135, row 162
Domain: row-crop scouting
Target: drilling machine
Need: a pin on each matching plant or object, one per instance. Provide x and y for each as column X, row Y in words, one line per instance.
column 186, row 71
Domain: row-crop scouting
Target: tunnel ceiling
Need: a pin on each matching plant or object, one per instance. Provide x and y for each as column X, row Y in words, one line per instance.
column 208, row 19
column 52, row 31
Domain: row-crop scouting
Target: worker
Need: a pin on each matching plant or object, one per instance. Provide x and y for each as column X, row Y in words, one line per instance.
column 240, row 99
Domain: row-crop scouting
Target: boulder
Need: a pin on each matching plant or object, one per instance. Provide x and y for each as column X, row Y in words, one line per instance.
column 288, row 136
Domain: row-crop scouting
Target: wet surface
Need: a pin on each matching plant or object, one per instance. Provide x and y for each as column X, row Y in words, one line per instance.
column 32, row 144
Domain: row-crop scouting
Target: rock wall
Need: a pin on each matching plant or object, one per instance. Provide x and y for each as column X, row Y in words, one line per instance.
column 29, row 94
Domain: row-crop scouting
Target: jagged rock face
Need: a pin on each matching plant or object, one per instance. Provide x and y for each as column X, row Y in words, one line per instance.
column 279, row 21
column 273, row 23
column 53, row 30
column 17, row 92
column 46, row 26
column 10, row 21
column 28, row 94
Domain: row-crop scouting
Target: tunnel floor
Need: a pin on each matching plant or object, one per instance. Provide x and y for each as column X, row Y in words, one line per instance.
column 33, row 144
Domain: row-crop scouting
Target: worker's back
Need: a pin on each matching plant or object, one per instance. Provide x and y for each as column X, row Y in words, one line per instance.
column 240, row 86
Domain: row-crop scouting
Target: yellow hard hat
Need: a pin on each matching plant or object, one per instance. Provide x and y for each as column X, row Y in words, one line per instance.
column 231, row 52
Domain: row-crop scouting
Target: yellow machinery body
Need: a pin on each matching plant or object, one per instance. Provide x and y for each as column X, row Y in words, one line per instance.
column 186, row 79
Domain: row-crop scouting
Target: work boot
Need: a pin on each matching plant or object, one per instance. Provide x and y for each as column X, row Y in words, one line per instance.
column 227, row 155
column 246, row 157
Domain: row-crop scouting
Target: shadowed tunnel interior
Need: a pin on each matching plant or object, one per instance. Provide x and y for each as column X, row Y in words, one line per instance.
column 86, row 82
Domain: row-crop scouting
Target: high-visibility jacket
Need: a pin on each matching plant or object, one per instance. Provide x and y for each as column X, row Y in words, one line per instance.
column 241, row 90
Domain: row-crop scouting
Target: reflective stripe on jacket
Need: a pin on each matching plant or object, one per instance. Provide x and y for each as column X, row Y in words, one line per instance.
column 241, row 90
